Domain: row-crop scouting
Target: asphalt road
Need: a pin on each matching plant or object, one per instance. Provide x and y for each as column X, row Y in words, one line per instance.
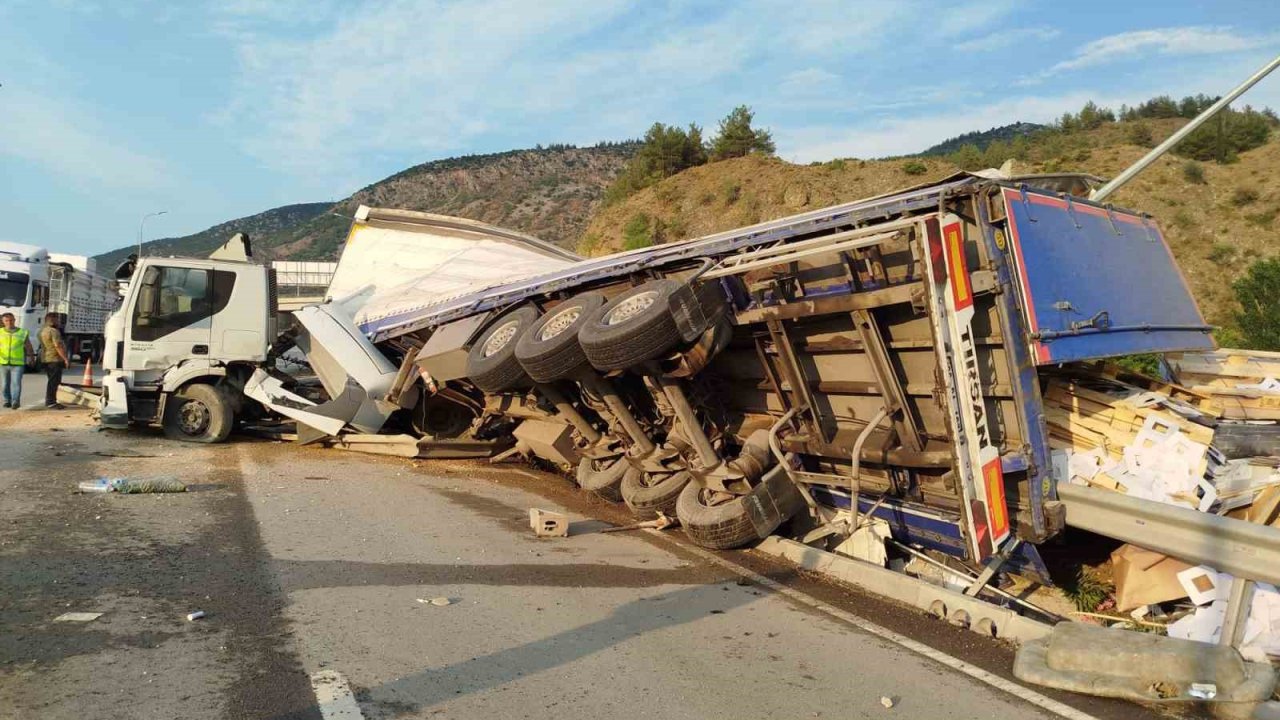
column 317, row 568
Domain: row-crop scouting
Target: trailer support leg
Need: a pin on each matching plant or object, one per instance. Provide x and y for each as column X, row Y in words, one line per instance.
column 644, row 446
column 993, row 565
column 570, row 413
column 689, row 421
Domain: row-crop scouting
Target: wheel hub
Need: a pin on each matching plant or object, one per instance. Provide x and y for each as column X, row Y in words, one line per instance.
column 560, row 322
column 500, row 338
column 193, row 417
column 631, row 307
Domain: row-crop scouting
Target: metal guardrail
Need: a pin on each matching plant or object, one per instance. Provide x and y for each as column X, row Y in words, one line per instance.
column 1241, row 548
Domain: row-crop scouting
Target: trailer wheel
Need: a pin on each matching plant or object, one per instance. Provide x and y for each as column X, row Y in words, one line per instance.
column 647, row 495
column 198, row 413
column 606, row 479
column 492, row 363
column 721, row 526
column 550, row 350
column 632, row 328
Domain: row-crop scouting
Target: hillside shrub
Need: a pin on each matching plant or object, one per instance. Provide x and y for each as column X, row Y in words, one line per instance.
column 1183, row 219
column 1258, row 293
column 1221, row 252
column 638, row 232
column 1227, row 134
column 1193, row 172
column 730, row 190
column 1139, row 134
column 1243, row 196
column 914, row 167
column 1262, row 219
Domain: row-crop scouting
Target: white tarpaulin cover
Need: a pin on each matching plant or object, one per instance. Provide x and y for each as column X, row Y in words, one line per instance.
column 395, row 261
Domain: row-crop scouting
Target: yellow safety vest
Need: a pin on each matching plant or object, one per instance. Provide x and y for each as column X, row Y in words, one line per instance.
column 13, row 347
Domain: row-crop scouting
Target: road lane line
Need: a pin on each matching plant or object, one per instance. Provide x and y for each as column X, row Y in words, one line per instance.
column 884, row 633
column 334, row 696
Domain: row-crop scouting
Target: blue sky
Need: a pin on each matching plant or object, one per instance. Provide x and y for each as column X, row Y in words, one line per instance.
column 215, row 110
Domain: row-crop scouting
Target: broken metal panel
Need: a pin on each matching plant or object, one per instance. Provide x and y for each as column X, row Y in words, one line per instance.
column 444, row 356
column 270, row 392
column 355, row 374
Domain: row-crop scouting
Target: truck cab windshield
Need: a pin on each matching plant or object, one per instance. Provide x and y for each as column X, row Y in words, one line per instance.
column 13, row 289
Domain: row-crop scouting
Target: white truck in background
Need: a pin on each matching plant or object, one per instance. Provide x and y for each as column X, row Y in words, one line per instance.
column 34, row 282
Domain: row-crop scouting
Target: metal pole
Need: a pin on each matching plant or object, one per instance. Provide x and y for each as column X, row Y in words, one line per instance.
column 1103, row 192
column 144, row 222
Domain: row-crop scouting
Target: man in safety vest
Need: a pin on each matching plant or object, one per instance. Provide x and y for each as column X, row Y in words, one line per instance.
column 14, row 350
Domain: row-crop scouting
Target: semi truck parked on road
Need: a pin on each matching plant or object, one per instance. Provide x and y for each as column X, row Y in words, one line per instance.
column 35, row 282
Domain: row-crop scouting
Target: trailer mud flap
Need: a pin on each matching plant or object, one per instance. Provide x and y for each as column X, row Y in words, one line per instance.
column 774, row 500
column 978, row 469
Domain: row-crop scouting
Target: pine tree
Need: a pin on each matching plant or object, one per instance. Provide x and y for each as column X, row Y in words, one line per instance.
column 736, row 137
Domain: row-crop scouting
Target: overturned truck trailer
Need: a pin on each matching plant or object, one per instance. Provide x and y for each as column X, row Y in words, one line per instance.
column 885, row 358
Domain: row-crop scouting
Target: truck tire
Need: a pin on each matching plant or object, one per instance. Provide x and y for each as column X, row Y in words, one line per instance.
column 605, row 481
column 198, row 413
column 647, row 496
column 492, row 363
column 632, row 328
column 550, row 350
column 723, row 526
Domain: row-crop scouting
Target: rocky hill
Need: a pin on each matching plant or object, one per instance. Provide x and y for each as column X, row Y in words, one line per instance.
column 1217, row 218
column 260, row 227
column 548, row 192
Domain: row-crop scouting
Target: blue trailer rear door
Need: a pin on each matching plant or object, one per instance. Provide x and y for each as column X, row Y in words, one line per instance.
column 1097, row 282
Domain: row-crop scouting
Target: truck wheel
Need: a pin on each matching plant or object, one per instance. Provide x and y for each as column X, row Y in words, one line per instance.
column 199, row 413
column 605, row 479
column 632, row 328
column 719, row 527
column 492, row 363
column 647, row 495
column 550, row 349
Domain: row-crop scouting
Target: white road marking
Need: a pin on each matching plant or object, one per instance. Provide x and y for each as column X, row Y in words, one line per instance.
column 334, row 697
column 884, row 633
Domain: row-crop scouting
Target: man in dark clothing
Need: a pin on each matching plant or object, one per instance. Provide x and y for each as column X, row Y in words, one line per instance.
column 53, row 354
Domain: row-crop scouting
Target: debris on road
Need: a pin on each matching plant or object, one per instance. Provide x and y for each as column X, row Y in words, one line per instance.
column 78, row 617
column 128, row 486
column 548, row 524
column 193, row 616
column 662, row 522
column 438, row 601
column 887, row 701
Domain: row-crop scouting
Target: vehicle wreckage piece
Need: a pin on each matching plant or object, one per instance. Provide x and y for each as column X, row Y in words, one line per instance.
column 354, row 373
column 270, row 391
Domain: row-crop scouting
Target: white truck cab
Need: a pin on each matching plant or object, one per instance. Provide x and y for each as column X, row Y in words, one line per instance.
column 187, row 336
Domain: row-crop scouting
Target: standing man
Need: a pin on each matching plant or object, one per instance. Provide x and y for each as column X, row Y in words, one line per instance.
column 53, row 354
column 14, row 349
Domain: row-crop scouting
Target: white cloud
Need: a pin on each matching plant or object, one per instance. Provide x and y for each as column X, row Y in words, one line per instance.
column 1002, row 39
column 65, row 138
column 407, row 79
column 1194, row 40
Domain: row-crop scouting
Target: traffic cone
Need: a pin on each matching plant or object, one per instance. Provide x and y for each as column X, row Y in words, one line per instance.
column 87, row 379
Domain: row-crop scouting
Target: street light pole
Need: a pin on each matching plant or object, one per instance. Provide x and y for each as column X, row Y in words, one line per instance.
column 144, row 222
